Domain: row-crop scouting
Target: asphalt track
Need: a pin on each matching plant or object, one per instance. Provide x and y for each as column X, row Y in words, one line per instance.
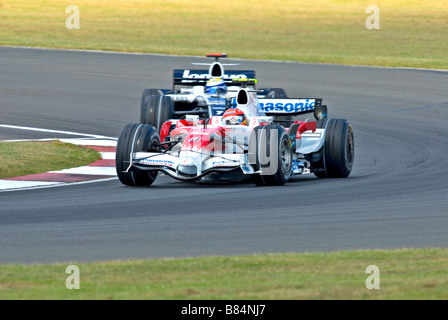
column 396, row 197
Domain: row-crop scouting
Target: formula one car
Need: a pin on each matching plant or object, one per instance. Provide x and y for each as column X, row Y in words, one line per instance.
column 243, row 143
column 199, row 92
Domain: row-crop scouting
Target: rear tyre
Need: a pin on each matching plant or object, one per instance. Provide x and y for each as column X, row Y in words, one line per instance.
column 156, row 110
column 135, row 138
column 338, row 150
column 273, row 157
column 150, row 92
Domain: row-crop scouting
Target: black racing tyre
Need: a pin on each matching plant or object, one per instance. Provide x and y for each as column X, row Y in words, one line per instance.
column 150, row 92
column 274, row 93
column 272, row 157
column 136, row 138
column 338, row 149
column 156, row 110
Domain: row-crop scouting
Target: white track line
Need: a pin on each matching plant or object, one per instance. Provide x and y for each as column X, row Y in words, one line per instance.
column 28, row 140
column 58, row 184
column 11, row 184
column 56, row 131
column 107, row 155
column 100, row 171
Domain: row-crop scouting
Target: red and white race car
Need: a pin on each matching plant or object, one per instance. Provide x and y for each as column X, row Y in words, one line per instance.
column 244, row 143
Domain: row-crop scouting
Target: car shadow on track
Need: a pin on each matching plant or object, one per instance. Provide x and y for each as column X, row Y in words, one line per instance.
column 165, row 182
column 168, row 183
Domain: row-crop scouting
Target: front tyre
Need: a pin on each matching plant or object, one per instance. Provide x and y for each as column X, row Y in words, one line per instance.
column 135, row 138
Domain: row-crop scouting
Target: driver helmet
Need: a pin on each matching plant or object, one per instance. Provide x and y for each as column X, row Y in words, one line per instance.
column 216, row 86
column 234, row 116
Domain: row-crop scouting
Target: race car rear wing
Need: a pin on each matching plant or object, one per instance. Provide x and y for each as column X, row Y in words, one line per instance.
column 292, row 107
column 199, row 77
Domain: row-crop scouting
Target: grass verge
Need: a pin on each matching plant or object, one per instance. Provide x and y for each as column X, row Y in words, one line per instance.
column 23, row 158
column 404, row 274
column 411, row 34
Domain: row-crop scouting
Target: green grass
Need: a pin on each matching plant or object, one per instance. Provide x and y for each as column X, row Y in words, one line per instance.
column 404, row 274
column 412, row 33
column 23, row 158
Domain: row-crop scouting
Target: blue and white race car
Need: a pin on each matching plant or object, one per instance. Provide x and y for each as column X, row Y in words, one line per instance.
column 199, row 92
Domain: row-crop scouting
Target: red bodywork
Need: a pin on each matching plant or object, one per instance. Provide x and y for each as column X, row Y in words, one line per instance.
column 305, row 126
column 167, row 126
column 210, row 139
column 198, row 138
